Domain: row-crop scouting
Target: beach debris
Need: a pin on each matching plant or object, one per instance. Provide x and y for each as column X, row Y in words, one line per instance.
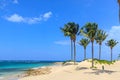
column 39, row 71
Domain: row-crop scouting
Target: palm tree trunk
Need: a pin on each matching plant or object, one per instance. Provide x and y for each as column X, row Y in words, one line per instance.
column 111, row 54
column 119, row 13
column 84, row 53
column 71, row 50
column 119, row 9
column 92, row 55
column 74, row 53
column 99, row 52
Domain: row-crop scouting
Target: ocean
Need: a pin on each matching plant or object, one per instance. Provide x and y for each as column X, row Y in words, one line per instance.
column 11, row 67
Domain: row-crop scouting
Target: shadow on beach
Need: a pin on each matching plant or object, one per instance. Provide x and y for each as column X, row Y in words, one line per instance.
column 81, row 68
column 98, row 72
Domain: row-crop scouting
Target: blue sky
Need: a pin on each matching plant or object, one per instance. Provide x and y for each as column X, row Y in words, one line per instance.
column 30, row 30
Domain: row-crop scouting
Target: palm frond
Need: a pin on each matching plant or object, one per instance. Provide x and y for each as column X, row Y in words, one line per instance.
column 111, row 43
column 84, row 42
column 100, row 36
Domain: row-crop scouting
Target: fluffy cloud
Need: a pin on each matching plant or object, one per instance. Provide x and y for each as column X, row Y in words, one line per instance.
column 29, row 20
column 47, row 15
column 15, row 18
column 18, row 18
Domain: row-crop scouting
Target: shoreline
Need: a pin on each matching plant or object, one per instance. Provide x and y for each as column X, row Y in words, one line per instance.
column 18, row 75
column 81, row 71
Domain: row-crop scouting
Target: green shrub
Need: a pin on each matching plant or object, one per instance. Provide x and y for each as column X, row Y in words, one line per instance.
column 67, row 61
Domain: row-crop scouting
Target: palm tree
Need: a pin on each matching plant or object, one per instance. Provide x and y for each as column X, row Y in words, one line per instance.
column 90, row 30
column 84, row 42
column 111, row 43
column 100, row 37
column 66, row 31
column 74, row 31
column 119, row 9
column 71, row 29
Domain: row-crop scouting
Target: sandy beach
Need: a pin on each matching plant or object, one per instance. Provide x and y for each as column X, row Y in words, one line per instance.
column 81, row 71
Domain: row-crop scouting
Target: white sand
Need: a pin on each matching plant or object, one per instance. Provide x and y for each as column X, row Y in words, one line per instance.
column 81, row 71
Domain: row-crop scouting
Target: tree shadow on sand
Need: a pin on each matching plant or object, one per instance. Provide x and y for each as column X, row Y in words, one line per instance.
column 98, row 71
column 81, row 68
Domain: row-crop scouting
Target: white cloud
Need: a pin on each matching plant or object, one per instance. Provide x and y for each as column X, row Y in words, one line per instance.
column 29, row 20
column 63, row 42
column 47, row 15
column 15, row 1
column 114, row 33
column 15, row 18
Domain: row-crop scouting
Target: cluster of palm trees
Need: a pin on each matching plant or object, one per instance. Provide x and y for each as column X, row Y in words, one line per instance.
column 91, row 33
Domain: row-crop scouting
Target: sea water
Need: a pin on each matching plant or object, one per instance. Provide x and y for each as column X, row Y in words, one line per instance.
column 9, row 68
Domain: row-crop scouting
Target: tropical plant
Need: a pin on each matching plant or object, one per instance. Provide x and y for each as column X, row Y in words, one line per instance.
column 67, row 32
column 74, row 29
column 89, row 31
column 71, row 29
column 103, row 62
column 111, row 43
column 84, row 42
column 100, row 37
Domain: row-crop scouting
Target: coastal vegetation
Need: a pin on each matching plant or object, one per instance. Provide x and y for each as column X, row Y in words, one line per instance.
column 91, row 33
column 103, row 63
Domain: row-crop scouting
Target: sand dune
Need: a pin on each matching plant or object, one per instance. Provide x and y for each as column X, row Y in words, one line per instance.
column 81, row 71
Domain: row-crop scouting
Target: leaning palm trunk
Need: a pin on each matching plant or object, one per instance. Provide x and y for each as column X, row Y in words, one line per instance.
column 74, row 53
column 92, row 54
column 99, row 51
column 111, row 54
column 71, row 49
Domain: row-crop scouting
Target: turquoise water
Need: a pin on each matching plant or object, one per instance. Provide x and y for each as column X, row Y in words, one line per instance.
column 11, row 67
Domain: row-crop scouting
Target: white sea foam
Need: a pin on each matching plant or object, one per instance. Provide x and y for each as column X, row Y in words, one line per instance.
column 39, row 67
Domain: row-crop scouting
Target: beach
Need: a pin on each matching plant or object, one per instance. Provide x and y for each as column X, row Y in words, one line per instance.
column 59, row 40
column 81, row 71
column 12, row 70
